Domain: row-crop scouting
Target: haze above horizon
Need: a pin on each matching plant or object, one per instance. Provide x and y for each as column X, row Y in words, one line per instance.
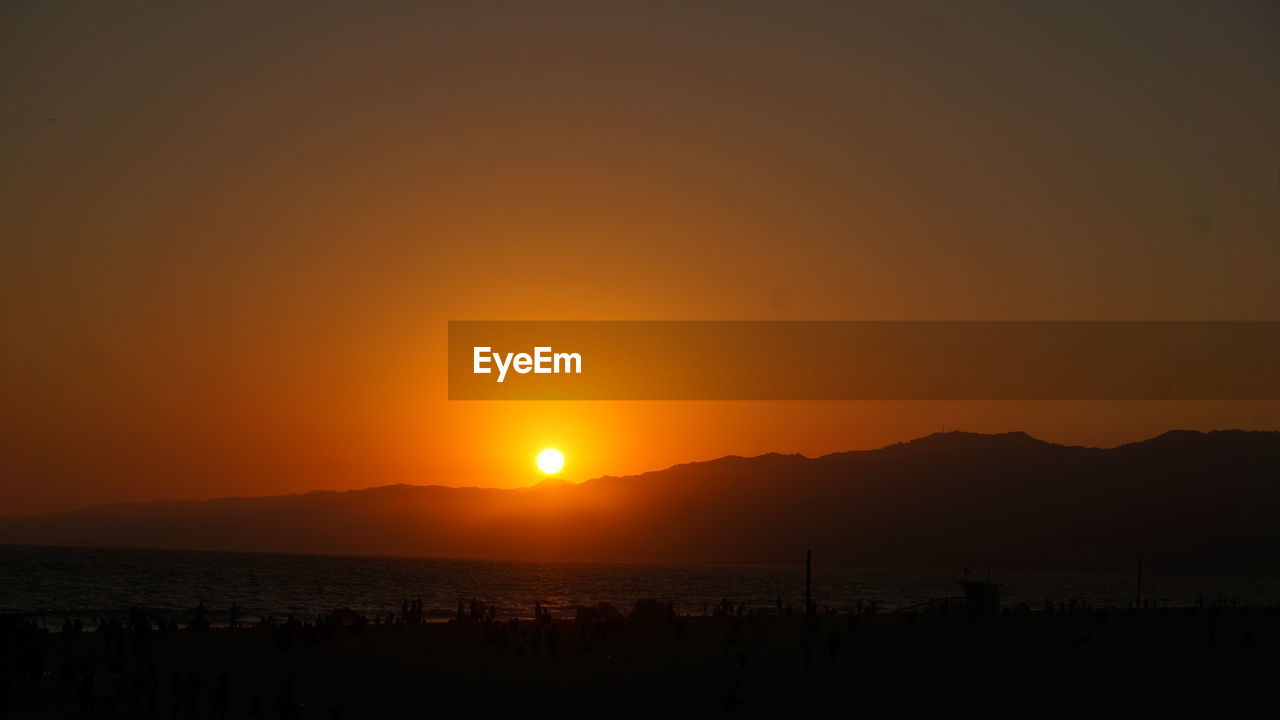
column 233, row 233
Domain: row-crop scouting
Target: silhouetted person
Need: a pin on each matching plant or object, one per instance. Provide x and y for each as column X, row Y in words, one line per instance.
column 222, row 697
column 112, row 684
column 191, row 693
column 85, row 691
column 285, row 702
column 137, row 688
column 199, row 618
column 175, row 690
column 66, row 675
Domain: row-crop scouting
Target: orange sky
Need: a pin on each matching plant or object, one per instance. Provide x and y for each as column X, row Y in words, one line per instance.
column 231, row 236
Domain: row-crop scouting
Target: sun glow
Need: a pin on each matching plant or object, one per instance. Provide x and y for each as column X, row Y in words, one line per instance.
column 550, row 461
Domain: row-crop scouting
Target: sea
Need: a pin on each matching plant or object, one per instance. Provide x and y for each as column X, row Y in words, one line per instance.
column 92, row 583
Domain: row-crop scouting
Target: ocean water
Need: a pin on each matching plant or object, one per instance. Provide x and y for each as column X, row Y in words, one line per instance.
column 98, row 582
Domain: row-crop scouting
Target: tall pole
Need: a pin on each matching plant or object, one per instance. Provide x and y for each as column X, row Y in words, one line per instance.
column 1139, row 582
column 808, row 580
column 810, row 627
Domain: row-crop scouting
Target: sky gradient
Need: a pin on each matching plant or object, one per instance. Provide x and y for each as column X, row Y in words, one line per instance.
column 231, row 235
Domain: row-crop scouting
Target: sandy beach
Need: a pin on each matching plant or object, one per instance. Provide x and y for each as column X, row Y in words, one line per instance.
column 753, row 665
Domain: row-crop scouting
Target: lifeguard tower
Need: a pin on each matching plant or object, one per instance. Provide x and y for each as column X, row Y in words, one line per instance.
column 981, row 597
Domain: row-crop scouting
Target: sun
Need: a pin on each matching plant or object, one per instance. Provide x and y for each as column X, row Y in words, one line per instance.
column 550, row 461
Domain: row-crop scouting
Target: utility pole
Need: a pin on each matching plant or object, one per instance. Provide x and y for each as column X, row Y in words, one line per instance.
column 810, row 632
column 1139, row 583
column 808, row 585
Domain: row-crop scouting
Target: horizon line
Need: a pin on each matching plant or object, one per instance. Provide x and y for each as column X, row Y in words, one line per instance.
column 563, row 481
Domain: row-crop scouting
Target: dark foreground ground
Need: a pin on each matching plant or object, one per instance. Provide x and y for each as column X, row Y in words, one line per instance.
column 1222, row 660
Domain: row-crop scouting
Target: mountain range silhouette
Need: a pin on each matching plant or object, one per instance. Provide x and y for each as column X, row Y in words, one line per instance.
column 1185, row 502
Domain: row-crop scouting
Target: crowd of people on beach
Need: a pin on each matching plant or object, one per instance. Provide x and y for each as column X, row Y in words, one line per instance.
column 107, row 669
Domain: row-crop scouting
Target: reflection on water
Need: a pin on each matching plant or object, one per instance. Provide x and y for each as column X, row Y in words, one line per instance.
column 97, row 581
